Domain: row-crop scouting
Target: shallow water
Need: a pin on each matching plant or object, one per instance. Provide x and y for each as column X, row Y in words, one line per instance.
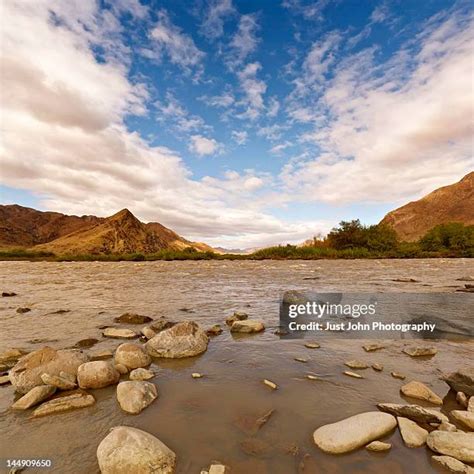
column 198, row 419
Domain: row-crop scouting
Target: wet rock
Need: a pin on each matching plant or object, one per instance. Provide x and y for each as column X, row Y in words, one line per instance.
column 281, row 332
column 97, row 374
column 141, row 374
column 398, row 375
column 60, row 311
column 459, row 445
column 196, row 375
column 26, row 374
column 466, row 418
column 127, row 450
column 86, row 343
column 247, row 326
column 132, row 318
column 214, row 330
column 413, row 412
column 312, row 345
column 135, row 396
column 378, row 446
column 270, row 384
column 294, row 297
column 420, row 391
column 452, row 465
column 121, row 369
column 406, row 280
column 251, row 424
column 4, row 380
column 461, row 398
column 413, row 436
column 8, row 294
column 237, row 316
column 419, row 351
column 356, row 364
column 184, row 339
column 301, row 359
column 148, row 332
column 445, row 426
column 23, row 310
column 161, row 324
column 354, row 432
column 58, row 382
column 10, row 357
column 352, row 374
column 377, row 367
column 373, row 346
column 132, row 356
column 35, row 396
column 101, row 355
column 117, row 333
column 255, row 447
column 217, row 468
column 64, row 403
column 461, row 381
column 465, row 278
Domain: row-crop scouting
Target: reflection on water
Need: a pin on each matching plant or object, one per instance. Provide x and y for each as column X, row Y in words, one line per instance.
column 199, row 419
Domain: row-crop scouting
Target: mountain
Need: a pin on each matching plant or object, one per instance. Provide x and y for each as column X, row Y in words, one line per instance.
column 62, row 234
column 453, row 203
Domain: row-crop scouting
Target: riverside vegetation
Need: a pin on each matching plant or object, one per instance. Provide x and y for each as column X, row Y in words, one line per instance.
column 349, row 240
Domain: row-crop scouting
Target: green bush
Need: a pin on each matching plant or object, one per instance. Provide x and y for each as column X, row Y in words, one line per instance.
column 452, row 236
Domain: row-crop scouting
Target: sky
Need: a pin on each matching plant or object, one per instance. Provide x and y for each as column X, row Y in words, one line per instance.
column 237, row 123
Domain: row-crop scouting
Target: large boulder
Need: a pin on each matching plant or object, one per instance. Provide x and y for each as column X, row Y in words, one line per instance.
column 462, row 381
column 420, row 391
column 27, row 372
column 354, row 432
column 135, row 396
column 128, row 450
column 97, row 374
column 132, row 356
column 459, row 445
column 184, row 339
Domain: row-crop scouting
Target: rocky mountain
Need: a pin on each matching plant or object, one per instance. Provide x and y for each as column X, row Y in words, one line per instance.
column 453, row 203
column 22, row 227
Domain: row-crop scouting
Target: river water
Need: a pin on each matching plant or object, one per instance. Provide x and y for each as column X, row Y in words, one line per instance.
column 201, row 419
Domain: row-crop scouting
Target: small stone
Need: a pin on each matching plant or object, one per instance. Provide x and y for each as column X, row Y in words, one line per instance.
column 101, row 355
column 35, row 396
column 356, row 364
column 452, row 465
column 58, row 382
column 86, row 343
column 470, row 404
column 148, row 332
column 466, row 418
column 312, row 345
column 121, row 369
column 196, row 375
column 377, row 367
column 461, row 398
column 247, row 326
column 270, row 384
column 8, row 294
column 406, row 280
column 132, row 318
column 218, row 469
column 237, row 316
column 420, row 391
column 141, row 374
column 66, row 403
column 23, row 310
column 214, row 330
column 413, row 436
column 301, row 359
column 420, row 351
column 374, row 346
column 312, row 377
column 445, row 426
column 4, row 379
column 378, row 446
column 461, row 381
column 134, row 397
column 459, row 445
column 353, row 374
column 398, row 375
column 118, row 333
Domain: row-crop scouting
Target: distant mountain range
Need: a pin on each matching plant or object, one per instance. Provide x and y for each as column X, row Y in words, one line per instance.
column 22, row 227
column 453, row 203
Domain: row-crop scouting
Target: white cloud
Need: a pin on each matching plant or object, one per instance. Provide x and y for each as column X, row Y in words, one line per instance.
column 312, row 11
column 254, row 89
column 380, row 13
column 245, row 40
column 273, row 107
column 133, row 7
column 277, row 149
column 240, row 137
column 216, row 13
column 224, row 100
column 203, row 146
column 272, row 132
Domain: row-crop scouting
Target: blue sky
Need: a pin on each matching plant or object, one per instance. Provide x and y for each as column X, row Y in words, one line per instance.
column 241, row 123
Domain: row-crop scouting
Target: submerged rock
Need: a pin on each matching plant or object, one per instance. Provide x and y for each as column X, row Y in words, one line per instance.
column 452, row 465
column 237, row 316
column 35, row 396
column 135, row 396
column 141, row 374
column 419, row 351
column 461, row 381
column 378, row 446
column 459, row 445
column 356, row 364
column 23, row 310
column 354, row 432
column 8, row 294
column 214, row 330
column 162, row 324
column 184, row 339
column 127, row 450
column 65, row 403
column 132, row 356
column 132, row 318
column 420, row 391
column 413, row 412
column 26, row 374
column 86, row 343
column 466, row 418
column 373, row 346
column 247, row 326
column 413, row 436
column 118, row 333
column 97, row 374
column 59, row 382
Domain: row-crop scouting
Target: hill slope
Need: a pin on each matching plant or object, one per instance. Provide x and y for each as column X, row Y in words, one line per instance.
column 453, row 203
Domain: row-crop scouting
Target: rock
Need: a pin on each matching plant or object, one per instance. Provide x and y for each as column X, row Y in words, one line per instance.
column 377, row 367
column 134, row 396
column 132, row 318
column 354, row 432
column 97, row 374
column 4, row 379
column 281, row 332
column 461, row 381
column 470, row 404
column 218, row 469
column 270, row 384
column 161, row 325
column 141, row 374
column 294, row 297
column 398, row 375
column 101, row 355
column 23, row 310
column 466, row 278
column 121, row 369
column 214, row 330
column 58, row 382
column 378, row 446
column 459, row 445
column 301, row 359
column 312, row 377
column 413, row 436
column 406, row 280
column 419, row 351
column 255, row 447
column 8, row 294
column 373, row 346
column 86, row 343
column 26, row 374
column 353, row 374
column 247, row 326
column 413, row 412
column 251, row 424
column 148, row 332
column 71, row 377
column 452, row 465
column 35, row 396
column 11, row 355
column 462, row 399
column 117, row 333
column 356, row 364
column 184, row 339
column 65, row 403
column 132, row 356
column 445, row 426
column 196, row 375
column 312, row 345
column 127, row 450
column 420, row 391
column 237, row 316
column 466, row 418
